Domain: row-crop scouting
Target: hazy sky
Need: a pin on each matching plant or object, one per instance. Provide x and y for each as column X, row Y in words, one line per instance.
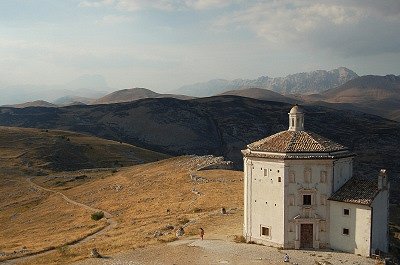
column 163, row 44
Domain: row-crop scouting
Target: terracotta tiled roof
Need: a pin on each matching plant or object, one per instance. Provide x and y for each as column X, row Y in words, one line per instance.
column 356, row 190
column 295, row 141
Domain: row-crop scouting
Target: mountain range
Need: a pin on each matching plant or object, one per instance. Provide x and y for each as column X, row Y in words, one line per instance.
column 302, row 83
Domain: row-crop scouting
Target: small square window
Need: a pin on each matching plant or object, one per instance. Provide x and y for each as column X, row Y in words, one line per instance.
column 346, row 211
column 265, row 231
column 346, row 231
column 307, row 199
column 279, row 179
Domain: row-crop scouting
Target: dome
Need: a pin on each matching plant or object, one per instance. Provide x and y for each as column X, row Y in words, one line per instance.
column 296, row 109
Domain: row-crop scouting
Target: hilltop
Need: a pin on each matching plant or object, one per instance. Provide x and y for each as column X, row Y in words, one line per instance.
column 261, row 94
column 37, row 103
column 37, row 151
column 132, row 94
column 379, row 95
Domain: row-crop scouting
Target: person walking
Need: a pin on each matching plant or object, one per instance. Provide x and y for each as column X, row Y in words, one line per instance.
column 201, row 233
column 286, row 258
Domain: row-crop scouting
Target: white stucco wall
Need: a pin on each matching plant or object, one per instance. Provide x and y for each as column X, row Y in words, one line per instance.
column 343, row 171
column 320, row 191
column 359, row 224
column 380, row 209
column 264, row 200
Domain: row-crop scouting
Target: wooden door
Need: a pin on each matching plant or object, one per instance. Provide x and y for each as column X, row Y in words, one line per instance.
column 306, row 236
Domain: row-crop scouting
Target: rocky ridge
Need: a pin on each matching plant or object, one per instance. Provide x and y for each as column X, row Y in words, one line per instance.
column 300, row 83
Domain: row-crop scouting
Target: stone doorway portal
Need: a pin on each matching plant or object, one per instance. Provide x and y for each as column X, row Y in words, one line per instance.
column 306, row 236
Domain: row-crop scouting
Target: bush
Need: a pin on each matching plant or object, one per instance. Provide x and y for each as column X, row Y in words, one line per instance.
column 97, row 215
column 63, row 250
column 239, row 239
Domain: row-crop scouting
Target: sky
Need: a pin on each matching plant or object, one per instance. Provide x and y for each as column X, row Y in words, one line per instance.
column 164, row 44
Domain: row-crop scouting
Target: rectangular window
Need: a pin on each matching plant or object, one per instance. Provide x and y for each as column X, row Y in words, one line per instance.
column 307, row 199
column 346, row 231
column 265, row 231
column 279, row 179
column 266, row 172
column 346, row 212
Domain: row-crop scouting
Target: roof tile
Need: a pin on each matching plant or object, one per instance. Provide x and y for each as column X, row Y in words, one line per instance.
column 295, row 141
column 357, row 190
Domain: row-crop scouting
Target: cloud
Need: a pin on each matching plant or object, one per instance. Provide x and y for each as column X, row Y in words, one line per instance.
column 347, row 27
column 168, row 5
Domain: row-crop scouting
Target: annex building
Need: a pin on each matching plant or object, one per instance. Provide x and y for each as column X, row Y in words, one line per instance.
column 299, row 192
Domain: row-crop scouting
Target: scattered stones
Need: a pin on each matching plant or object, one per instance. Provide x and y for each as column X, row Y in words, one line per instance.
column 94, row 253
column 180, row 232
column 169, row 227
column 158, row 233
column 196, row 192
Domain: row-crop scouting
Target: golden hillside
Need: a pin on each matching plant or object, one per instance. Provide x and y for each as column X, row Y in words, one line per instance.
column 35, row 151
column 147, row 202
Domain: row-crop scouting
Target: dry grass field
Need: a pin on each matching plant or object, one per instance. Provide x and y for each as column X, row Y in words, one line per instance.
column 32, row 220
column 149, row 202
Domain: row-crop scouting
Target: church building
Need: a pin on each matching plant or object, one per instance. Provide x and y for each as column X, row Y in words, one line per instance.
column 300, row 193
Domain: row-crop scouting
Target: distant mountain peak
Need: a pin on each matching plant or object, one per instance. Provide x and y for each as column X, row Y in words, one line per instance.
column 300, row 83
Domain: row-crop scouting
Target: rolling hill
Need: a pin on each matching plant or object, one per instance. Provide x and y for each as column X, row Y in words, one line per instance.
column 34, row 150
column 132, row 94
column 72, row 100
column 37, row 103
column 378, row 95
column 364, row 89
column 261, row 94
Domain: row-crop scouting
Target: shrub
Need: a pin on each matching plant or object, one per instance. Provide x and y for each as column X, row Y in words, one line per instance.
column 97, row 215
column 63, row 250
column 239, row 239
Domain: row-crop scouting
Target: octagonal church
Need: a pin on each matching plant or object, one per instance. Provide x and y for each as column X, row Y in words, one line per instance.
column 299, row 192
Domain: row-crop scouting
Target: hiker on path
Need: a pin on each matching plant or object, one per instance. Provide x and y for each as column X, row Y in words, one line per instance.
column 201, row 233
column 286, row 258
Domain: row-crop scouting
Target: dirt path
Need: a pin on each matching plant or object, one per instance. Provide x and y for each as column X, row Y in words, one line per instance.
column 218, row 251
column 112, row 223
